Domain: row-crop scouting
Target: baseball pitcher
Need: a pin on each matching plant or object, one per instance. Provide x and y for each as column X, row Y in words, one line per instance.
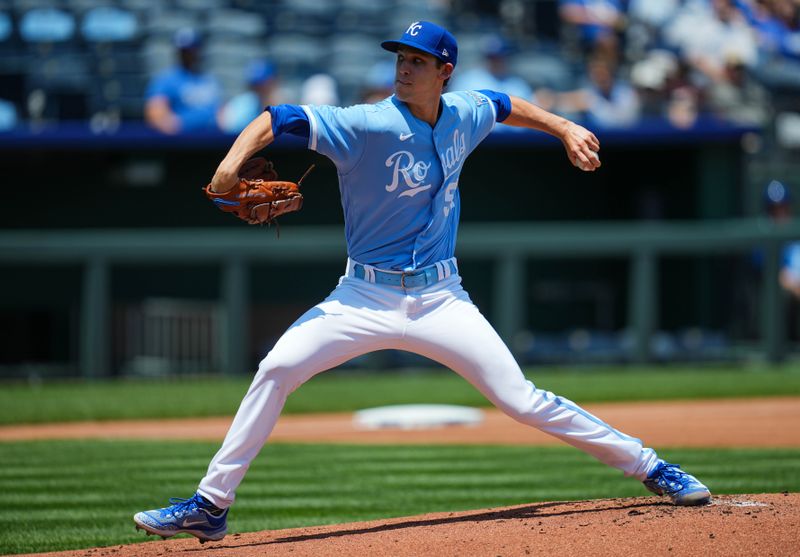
column 399, row 162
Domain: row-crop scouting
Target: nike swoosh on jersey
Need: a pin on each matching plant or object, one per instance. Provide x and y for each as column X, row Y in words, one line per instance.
column 404, row 136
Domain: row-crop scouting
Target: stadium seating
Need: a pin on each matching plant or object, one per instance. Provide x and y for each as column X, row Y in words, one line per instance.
column 56, row 47
column 101, row 54
column 107, row 24
column 47, row 25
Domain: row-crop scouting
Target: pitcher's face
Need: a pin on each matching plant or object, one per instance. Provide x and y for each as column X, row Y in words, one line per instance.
column 419, row 75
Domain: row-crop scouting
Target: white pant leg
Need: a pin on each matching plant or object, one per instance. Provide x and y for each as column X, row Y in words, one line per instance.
column 449, row 329
column 353, row 320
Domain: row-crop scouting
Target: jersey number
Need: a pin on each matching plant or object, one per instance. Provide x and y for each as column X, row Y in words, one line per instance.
column 449, row 197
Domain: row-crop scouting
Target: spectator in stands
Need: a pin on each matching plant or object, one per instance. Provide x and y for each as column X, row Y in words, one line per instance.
column 8, row 115
column 665, row 88
column 709, row 34
column 319, row 89
column 183, row 98
column 598, row 22
column 684, row 97
column 778, row 205
column 738, row 98
column 777, row 24
column 787, row 23
column 378, row 83
column 778, row 202
column 653, row 14
column 650, row 75
column 607, row 101
column 262, row 82
column 646, row 18
column 494, row 74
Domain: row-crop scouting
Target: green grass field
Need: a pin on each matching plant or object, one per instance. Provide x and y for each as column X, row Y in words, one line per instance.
column 346, row 391
column 79, row 494
column 74, row 494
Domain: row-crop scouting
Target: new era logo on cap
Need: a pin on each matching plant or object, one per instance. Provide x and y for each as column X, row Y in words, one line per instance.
column 427, row 37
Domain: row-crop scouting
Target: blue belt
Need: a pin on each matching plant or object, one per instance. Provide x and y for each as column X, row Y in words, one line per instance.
column 406, row 279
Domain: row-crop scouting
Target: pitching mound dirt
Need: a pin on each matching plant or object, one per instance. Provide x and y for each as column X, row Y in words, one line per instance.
column 766, row 524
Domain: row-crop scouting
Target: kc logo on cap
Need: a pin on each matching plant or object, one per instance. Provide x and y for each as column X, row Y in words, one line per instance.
column 413, row 29
column 427, row 37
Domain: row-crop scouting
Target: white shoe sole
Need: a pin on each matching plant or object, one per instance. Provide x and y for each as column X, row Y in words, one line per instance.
column 700, row 497
column 202, row 536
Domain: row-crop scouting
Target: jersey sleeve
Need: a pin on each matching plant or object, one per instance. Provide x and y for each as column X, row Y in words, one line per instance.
column 337, row 133
column 502, row 103
column 484, row 115
column 289, row 118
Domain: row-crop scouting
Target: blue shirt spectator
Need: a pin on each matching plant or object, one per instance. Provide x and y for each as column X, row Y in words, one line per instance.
column 244, row 107
column 8, row 115
column 378, row 82
column 495, row 74
column 790, row 265
column 778, row 203
column 709, row 35
column 595, row 19
column 183, row 99
column 606, row 100
column 777, row 25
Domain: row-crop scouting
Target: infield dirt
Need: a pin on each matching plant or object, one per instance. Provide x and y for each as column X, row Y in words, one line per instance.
column 766, row 524
column 764, row 422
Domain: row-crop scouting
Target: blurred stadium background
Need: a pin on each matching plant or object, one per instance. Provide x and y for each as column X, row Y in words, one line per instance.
column 114, row 264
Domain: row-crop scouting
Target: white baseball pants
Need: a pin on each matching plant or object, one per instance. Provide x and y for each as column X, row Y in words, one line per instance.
column 438, row 321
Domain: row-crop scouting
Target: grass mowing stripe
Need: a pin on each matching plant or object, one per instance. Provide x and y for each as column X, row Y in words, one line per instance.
column 341, row 390
column 100, row 484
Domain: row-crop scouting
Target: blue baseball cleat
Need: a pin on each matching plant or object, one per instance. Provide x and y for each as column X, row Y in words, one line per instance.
column 682, row 488
column 194, row 516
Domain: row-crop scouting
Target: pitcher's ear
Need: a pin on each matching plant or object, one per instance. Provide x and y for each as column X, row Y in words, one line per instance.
column 446, row 71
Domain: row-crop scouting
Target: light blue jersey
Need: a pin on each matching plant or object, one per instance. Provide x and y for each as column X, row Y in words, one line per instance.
column 398, row 177
column 401, row 289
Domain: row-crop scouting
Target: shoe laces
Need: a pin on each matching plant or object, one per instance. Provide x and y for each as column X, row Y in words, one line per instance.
column 671, row 474
column 182, row 506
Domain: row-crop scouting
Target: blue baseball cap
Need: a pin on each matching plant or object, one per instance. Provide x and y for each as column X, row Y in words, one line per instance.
column 776, row 194
column 186, row 38
column 496, row 46
column 260, row 71
column 427, row 37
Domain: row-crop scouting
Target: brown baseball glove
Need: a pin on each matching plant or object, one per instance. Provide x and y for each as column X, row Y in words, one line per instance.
column 259, row 197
